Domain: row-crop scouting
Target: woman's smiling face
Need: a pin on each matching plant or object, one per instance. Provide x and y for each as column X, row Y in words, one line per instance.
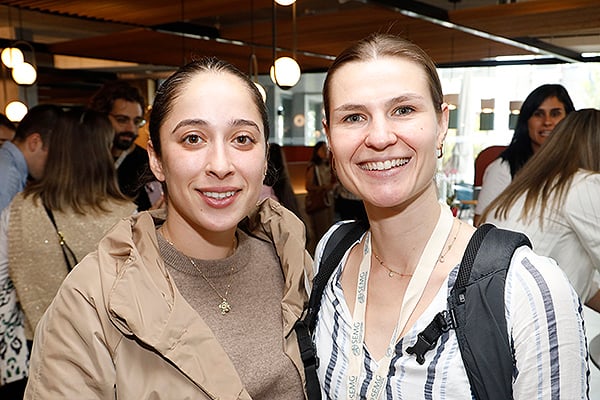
column 383, row 129
column 213, row 153
column 544, row 119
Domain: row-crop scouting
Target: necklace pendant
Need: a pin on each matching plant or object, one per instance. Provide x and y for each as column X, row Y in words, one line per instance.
column 391, row 274
column 225, row 307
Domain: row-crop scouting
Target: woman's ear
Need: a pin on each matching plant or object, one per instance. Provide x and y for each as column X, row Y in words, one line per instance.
column 443, row 119
column 155, row 162
column 326, row 129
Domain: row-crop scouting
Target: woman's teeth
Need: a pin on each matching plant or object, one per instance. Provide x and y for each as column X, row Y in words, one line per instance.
column 219, row 195
column 385, row 165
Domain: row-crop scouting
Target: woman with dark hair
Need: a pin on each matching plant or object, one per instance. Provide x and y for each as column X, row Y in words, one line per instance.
column 320, row 183
column 543, row 108
column 197, row 301
column 554, row 200
column 55, row 222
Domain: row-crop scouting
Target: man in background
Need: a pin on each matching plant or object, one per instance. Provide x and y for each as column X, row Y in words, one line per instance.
column 124, row 106
column 24, row 157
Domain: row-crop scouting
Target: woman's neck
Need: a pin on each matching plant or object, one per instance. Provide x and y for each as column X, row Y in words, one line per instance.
column 217, row 245
column 399, row 237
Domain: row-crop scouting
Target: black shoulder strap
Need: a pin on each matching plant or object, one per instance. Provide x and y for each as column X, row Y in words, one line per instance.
column 339, row 242
column 443, row 321
column 477, row 304
column 337, row 245
column 476, row 312
column 68, row 254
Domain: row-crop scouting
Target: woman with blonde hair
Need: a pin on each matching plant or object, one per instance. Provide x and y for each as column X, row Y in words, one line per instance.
column 386, row 122
column 554, row 200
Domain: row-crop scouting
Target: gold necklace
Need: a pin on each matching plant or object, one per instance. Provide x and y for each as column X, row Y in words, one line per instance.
column 441, row 258
column 224, row 305
column 391, row 272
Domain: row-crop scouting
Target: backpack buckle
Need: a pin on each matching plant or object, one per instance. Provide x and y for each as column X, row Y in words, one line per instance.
column 427, row 339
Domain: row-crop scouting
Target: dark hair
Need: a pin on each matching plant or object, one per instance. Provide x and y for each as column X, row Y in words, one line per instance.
column 520, row 150
column 278, row 178
column 315, row 158
column 379, row 45
column 79, row 172
column 4, row 121
column 546, row 178
column 104, row 99
column 173, row 87
column 39, row 119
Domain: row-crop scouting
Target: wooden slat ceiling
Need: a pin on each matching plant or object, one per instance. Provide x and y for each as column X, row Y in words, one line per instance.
column 128, row 30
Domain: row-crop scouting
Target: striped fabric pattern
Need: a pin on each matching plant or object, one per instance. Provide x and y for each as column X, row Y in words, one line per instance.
column 544, row 318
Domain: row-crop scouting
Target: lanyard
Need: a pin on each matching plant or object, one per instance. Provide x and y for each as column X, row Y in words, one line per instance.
column 414, row 291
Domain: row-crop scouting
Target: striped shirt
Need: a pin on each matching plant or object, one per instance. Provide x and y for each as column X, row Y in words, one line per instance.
column 544, row 318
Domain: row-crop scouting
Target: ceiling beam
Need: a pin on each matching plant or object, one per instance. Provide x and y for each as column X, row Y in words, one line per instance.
column 439, row 16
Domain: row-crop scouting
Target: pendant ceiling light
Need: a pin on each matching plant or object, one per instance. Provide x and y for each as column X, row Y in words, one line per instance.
column 12, row 56
column 23, row 73
column 285, row 71
column 15, row 111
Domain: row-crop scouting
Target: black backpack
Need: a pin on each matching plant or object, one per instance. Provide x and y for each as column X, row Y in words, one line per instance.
column 478, row 293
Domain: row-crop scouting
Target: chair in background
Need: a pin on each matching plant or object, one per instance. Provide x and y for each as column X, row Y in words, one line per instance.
column 483, row 159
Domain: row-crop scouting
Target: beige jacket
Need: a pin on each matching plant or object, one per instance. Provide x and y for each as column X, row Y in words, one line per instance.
column 119, row 328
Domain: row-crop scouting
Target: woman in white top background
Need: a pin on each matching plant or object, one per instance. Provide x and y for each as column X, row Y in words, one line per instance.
column 543, row 108
column 386, row 122
column 555, row 201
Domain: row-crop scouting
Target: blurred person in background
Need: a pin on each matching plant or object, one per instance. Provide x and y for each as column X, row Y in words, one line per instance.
column 124, row 106
column 51, row 225
column 24, row 158
column 7, row 129
column 278, row 179
column 555, row 201
column 543, row 108
column 320, row 183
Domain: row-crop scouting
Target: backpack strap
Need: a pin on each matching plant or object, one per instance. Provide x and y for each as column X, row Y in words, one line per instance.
column 477, row 304
column 445, row 320
column 339, row 242
column 478, row 295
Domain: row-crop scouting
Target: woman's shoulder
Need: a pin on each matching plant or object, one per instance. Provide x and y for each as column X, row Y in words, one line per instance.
column 499, row 165
column 327, row 236
column 533, row 274
column 585, row 178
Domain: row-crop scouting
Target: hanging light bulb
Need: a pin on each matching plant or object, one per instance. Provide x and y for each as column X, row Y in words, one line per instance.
column 285, row 73
column 262, row 91
column 12, row 56
column 15, row 111
column 24, row 74
column 285, row 2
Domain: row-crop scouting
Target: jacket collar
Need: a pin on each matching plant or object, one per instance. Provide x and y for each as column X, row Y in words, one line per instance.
column 170, row 325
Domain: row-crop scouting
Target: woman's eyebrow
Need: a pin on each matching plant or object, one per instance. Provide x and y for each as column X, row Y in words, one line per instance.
column 190, row 122
column 244, row 122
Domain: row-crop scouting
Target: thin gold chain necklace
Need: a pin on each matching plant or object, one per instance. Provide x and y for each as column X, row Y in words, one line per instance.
column 224, row 305
column 441, row 258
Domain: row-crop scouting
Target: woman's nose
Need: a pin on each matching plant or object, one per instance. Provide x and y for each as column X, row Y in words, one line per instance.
column 380, row 133
column 219, row 162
